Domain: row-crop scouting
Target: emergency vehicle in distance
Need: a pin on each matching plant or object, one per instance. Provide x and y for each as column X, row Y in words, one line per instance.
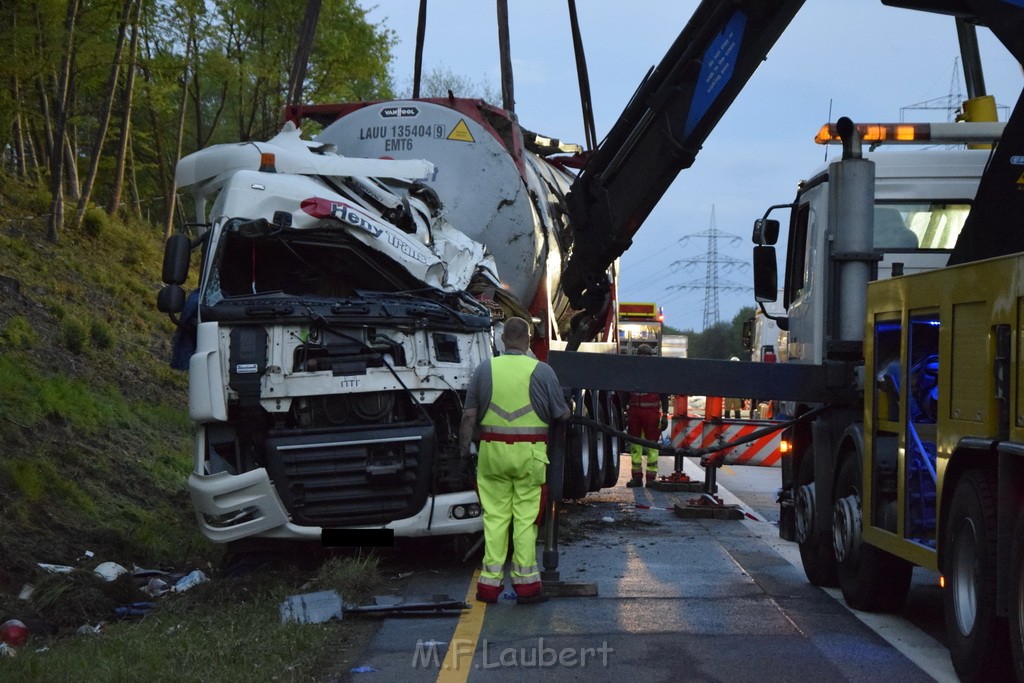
column 640, row 323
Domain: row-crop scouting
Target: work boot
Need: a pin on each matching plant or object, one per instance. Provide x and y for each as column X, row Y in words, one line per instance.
column 635, row 482
column 651, row 478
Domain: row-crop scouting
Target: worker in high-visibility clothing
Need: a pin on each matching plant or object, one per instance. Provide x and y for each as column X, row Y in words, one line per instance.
column 513, row 398
column 646, row 418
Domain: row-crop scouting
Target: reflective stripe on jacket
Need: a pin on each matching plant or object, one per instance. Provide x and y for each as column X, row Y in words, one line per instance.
column 510, row 417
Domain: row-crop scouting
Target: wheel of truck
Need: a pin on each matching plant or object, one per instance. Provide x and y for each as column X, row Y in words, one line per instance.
column 594, row 401
column 1017, row 599
column 613, row 442
column 976, row 636
column 872, row 580
column 577, row 453
column 816, row 553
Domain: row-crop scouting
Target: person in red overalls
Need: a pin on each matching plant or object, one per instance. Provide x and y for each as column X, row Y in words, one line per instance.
column 646, row 418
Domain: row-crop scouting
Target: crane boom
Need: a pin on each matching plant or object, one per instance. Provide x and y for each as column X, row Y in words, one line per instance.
column 679, row 103
column 661, row 130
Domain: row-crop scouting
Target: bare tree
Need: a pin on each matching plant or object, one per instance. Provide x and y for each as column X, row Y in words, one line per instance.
column 104, row 118
column 180, row 134
column 56, row 150
column 126, row 114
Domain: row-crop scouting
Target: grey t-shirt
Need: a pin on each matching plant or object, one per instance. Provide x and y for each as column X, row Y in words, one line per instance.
column 545, row 391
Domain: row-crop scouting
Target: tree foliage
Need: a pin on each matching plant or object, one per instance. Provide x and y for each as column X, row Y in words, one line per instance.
column 149, row 80
column 722, row 340
column 440, row 80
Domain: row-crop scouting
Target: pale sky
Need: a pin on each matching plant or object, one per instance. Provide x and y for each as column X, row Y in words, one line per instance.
column 861, row 58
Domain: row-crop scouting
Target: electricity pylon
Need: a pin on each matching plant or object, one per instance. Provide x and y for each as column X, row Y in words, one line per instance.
column 713, row 262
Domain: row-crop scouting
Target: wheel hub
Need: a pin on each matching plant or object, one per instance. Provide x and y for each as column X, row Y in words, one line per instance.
column 965, row 574
column 804, row 507
column 846, row 522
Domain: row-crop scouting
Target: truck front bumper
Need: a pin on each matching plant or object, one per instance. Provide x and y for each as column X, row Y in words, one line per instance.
column 230, row 507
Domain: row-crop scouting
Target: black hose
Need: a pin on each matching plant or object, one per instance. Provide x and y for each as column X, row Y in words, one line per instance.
column 696, row 452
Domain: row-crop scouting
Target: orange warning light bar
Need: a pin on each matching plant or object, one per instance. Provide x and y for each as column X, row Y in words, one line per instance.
column 878, row 132
column 916, row 133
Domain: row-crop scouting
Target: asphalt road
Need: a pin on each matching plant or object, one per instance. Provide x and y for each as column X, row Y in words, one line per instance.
column 677, row 600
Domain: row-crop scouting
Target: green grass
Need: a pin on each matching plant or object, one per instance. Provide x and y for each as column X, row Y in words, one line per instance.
column 96, row 456
column 227, row 630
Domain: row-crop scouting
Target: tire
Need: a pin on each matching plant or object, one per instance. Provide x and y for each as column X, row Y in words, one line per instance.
column 1017, row 599
column 577, row 454
column 594, row 401
column 816, row 553
column 977, row 638
column 872, row 580
column 613, row 442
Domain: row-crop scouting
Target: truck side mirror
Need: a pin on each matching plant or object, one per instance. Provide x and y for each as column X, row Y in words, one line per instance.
column 170, row 299
column 766, row 276
column 176, row 259
column 766, row 231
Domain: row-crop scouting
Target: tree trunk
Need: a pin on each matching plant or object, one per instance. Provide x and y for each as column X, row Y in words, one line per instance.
column 71, row 151
column 47, row 118
column 133, row 181
column 126, row 126
column 44, row 99
column 56, row 151
column 104, row 119
column 162, row 162
column 197, row 98
column 18, row 132
column 172, row 195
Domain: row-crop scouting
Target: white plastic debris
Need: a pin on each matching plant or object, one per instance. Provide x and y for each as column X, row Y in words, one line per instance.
column 90, row 629
column 157, row 587
column 109, row 571
column 6, row 650
column 56, row 568
column 311, row 608
column 609, row 520
column 191, row 579
column 26, row 591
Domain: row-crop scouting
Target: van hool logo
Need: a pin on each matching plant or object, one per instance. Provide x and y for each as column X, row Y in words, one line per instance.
column 398, row 112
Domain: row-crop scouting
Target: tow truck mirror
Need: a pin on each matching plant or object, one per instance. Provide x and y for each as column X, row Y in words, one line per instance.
column 766, row 276
column 176, row 258
column 766, row 231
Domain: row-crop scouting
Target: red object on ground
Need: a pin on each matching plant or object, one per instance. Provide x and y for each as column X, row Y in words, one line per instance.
column 13, row 632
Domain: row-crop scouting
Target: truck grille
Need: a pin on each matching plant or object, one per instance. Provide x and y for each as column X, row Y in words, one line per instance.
column 352, row 477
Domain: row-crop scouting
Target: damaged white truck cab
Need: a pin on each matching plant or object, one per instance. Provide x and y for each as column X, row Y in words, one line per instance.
column 335, row 337
column 343, row 305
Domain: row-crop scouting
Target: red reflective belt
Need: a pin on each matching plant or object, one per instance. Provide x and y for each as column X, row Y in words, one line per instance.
column 513, row 438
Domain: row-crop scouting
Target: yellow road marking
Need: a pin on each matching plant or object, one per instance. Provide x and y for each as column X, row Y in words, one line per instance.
column 459, row 660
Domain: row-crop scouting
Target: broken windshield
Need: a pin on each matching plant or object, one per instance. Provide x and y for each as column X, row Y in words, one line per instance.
column 310, row 263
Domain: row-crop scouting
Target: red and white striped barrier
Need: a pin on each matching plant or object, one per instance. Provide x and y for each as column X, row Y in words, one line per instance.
column 696, row 432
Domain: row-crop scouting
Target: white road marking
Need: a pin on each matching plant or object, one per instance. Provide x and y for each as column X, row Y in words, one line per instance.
column 916, row 645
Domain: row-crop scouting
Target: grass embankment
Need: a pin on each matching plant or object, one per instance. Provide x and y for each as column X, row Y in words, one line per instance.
column 95, row 455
